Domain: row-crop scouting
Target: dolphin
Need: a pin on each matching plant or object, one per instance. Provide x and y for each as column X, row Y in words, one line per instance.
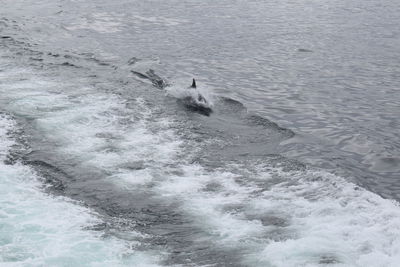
column 197, row 102
column 150, row 75
column 200, row 98
column 194, row 101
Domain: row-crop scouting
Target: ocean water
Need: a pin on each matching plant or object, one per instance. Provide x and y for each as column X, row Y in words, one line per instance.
column 102, row 163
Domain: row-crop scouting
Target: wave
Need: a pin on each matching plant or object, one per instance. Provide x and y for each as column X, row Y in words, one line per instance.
column 40, row 229
column 208, row 190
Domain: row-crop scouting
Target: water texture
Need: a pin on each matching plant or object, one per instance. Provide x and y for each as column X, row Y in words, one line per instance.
column 103, row 163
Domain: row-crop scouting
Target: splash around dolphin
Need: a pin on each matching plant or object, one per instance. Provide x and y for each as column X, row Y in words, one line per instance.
column 195, row 101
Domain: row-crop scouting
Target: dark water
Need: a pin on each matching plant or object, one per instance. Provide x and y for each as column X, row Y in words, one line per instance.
column 281, row 173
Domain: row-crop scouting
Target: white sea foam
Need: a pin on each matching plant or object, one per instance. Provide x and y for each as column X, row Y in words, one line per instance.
column 302, row 218
column 179, row 89
column 334, row 221
column 278, row 218
column 92, row 132
column 41, row 230
column 93, row 128
column 37, row 229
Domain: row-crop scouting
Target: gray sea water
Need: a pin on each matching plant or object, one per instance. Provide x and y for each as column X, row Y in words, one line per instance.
column 103, row 163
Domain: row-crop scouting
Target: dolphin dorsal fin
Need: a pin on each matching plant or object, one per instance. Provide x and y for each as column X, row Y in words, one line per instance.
column 193, row 84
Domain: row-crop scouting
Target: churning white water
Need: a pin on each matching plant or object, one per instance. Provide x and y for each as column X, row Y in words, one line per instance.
column 38, row 229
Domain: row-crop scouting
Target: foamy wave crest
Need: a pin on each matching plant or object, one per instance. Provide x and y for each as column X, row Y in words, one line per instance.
column 179, row 89
column 289, row 218
column 37, row 229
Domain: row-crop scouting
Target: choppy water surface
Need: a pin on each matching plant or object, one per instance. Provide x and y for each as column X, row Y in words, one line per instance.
column 298, row 165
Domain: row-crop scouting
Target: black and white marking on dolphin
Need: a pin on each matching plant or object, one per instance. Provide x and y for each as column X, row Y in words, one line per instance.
column 153, row 77
column 196, row 101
